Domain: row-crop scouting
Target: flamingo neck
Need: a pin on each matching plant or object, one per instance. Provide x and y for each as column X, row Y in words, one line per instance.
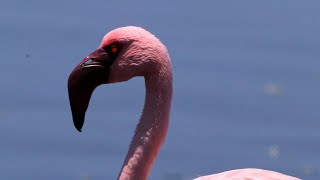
column 152, row 128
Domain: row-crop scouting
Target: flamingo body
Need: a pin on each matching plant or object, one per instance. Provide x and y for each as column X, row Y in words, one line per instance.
column 129, row 52
column 247, row 174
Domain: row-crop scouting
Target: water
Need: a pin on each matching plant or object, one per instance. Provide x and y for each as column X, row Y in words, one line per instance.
column 246, row 88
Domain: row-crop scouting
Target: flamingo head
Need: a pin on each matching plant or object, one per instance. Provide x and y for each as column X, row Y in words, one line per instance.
column 123, row 54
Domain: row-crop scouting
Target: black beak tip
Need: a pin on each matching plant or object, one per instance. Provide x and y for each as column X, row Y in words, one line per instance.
column 79, row 129
column 78, row 122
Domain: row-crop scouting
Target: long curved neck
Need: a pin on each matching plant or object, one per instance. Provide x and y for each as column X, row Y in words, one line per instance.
column 151, row 129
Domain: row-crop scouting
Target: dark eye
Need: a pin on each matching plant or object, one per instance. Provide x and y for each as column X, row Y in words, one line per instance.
column 113, row 50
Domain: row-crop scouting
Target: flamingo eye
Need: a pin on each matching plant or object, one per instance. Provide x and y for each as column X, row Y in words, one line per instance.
column 114, row 49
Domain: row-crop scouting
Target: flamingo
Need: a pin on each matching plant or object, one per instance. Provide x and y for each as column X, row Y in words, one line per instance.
column 125, row 53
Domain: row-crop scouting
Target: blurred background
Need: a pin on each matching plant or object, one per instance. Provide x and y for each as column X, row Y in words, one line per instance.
column 246, row 88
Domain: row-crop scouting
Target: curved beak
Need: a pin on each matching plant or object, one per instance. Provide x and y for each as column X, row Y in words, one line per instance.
column 90, row 73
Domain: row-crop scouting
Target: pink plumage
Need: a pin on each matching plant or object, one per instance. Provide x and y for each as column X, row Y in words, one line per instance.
column 136, row 52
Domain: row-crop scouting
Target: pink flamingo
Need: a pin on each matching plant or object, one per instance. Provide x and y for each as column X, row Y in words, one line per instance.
column 123, row 54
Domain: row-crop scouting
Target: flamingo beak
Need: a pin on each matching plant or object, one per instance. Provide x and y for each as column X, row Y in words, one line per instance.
column 90, row 73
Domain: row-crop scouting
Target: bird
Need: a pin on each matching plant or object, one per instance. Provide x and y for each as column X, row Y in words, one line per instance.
column 125, row 53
